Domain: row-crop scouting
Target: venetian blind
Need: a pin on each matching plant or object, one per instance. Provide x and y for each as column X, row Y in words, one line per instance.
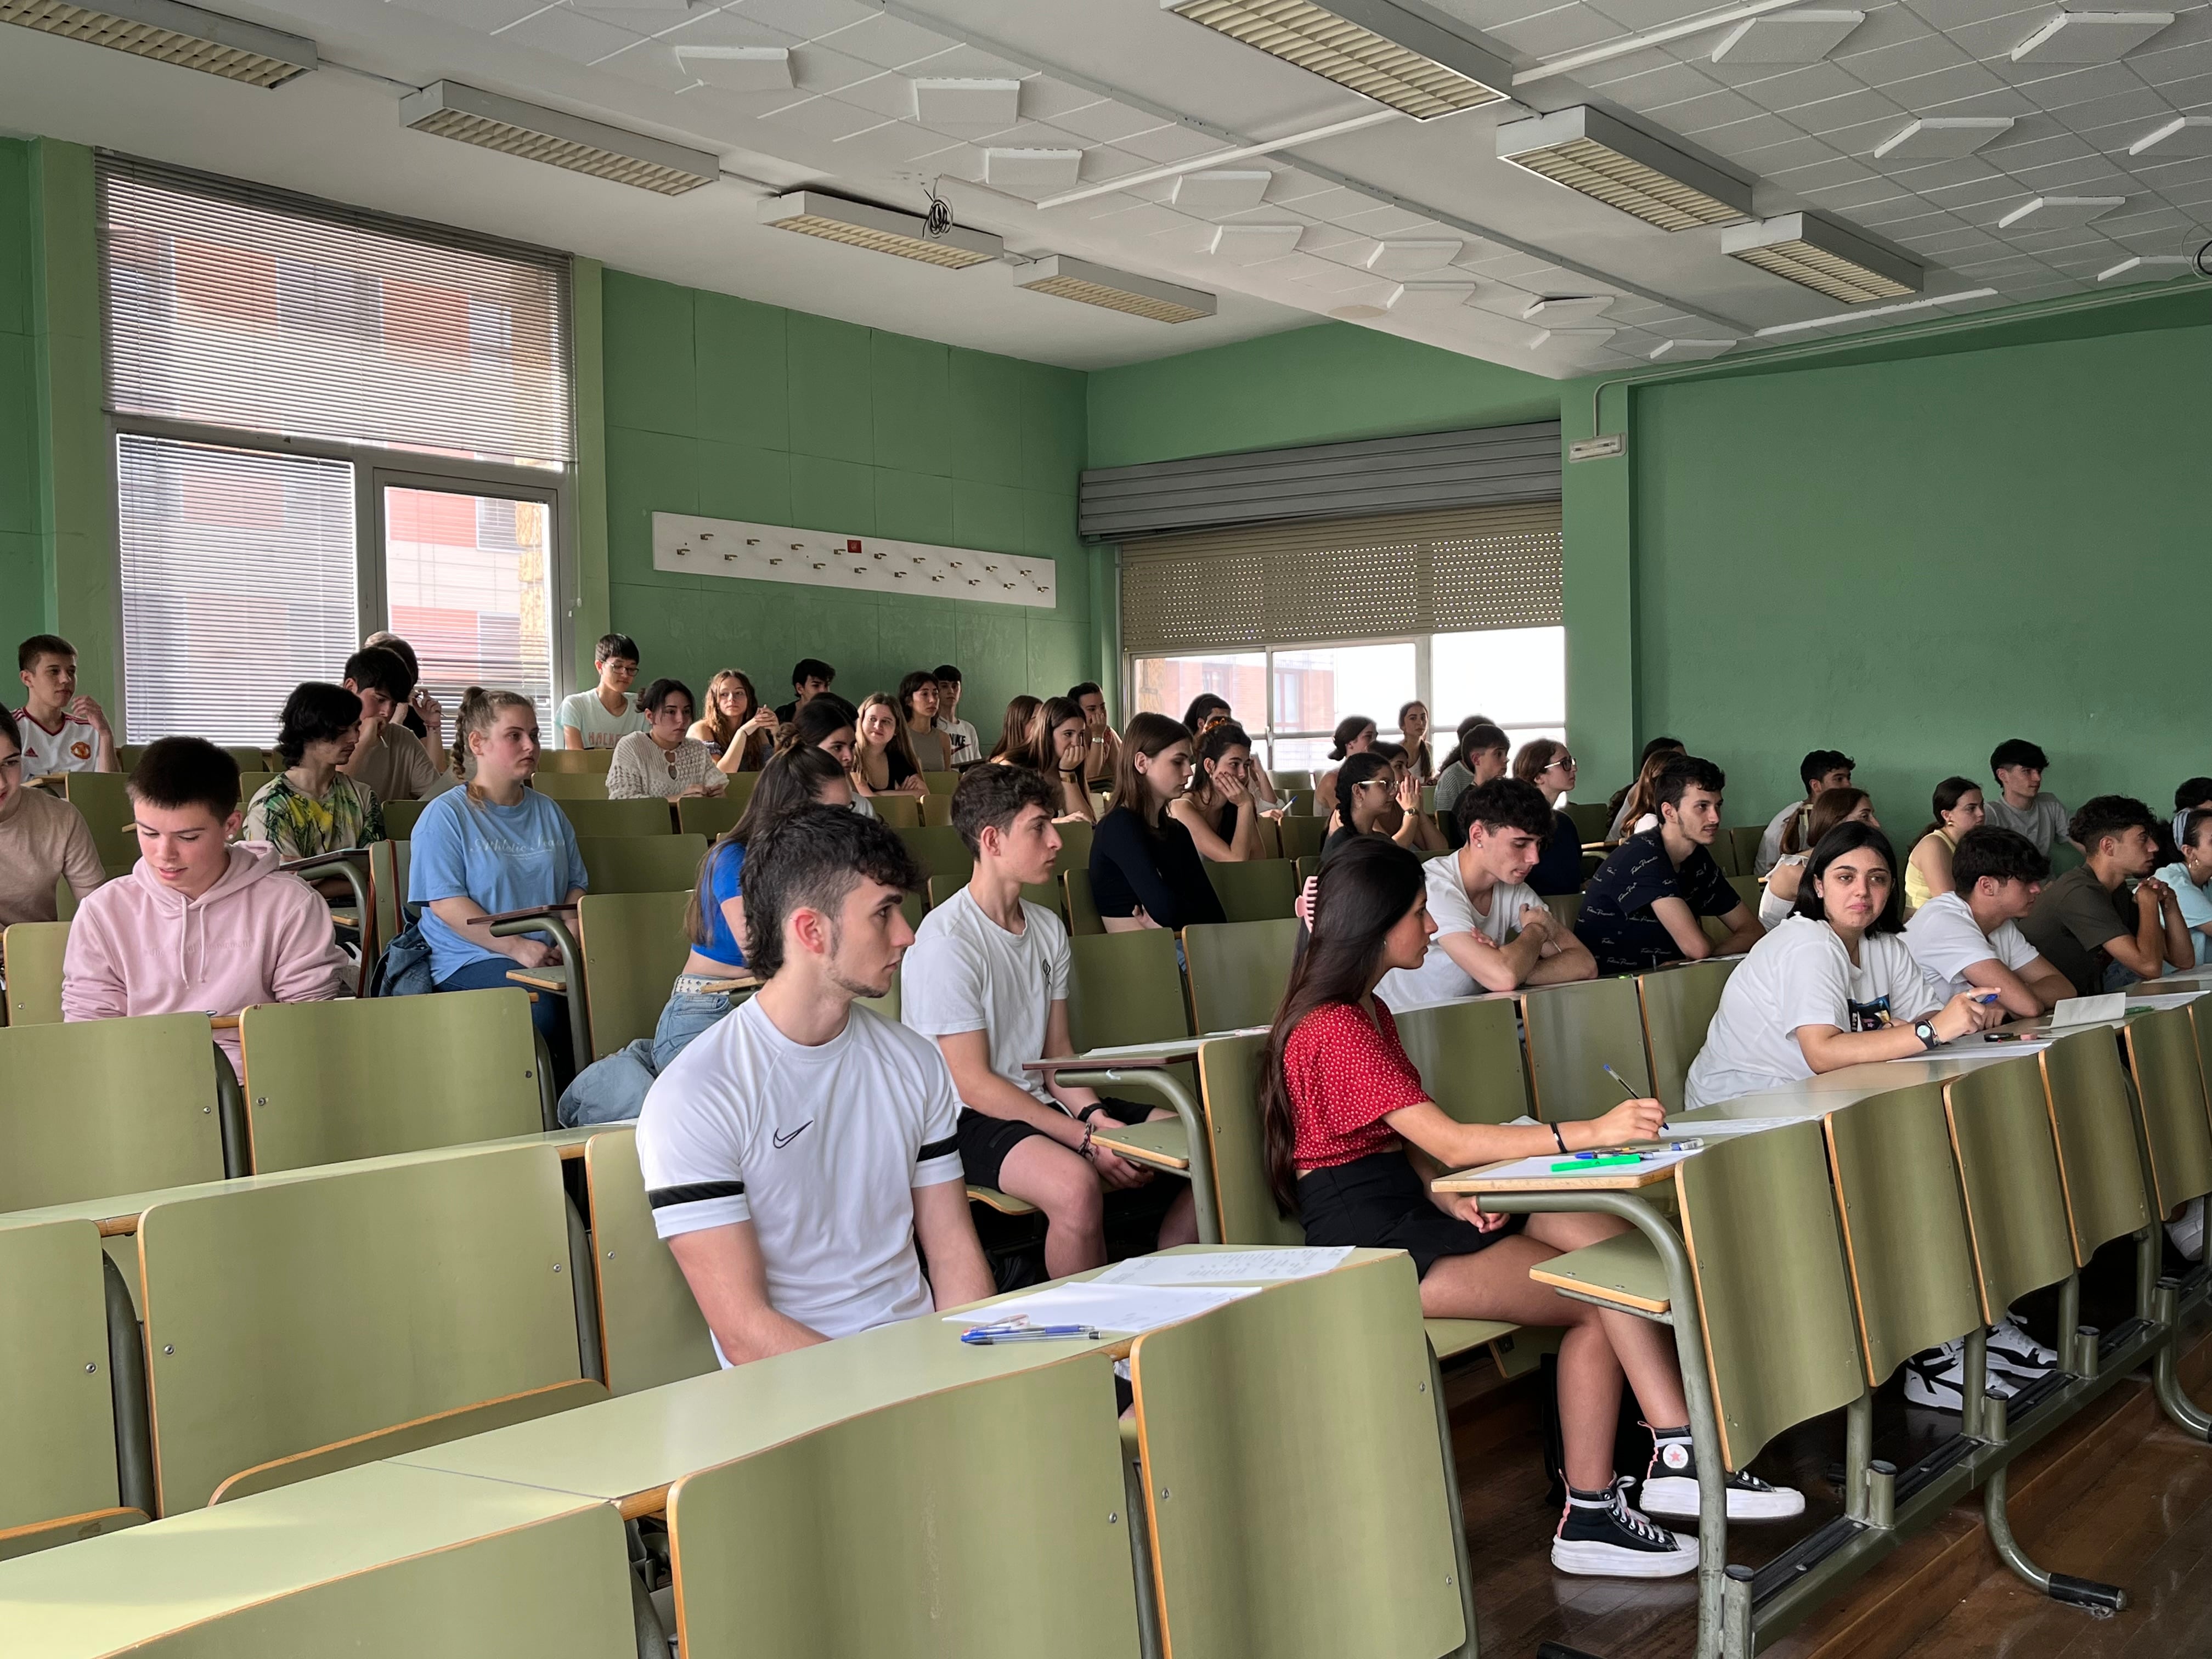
column 236, row 305
column 1343, row 579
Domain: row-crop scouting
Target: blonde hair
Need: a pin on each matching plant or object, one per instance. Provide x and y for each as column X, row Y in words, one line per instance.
column 900, row 761
column 480, row 710
column 714, row 719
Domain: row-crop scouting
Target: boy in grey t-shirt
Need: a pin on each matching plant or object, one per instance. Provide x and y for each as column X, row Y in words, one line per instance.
column 2019, row 804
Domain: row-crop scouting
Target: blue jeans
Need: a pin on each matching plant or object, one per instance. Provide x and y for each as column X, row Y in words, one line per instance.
column 549, row 1013
column 613, row 1090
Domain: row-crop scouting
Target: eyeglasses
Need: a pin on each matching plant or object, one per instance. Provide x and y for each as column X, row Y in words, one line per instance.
column 1563, row 763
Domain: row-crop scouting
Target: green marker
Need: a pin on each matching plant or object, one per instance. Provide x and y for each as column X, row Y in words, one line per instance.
column 1577, row 1165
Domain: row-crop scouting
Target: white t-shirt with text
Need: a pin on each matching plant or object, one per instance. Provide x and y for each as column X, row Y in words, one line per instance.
column 1439, row 979
column 965, row 973
column 1800, row 974
column 74, row 746
column 587, row 714
column 1946, row 940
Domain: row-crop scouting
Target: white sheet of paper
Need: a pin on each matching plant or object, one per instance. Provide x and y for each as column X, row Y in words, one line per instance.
column 1225, row 1266
column 2076, row 1011
column 1726, row 1126
column 1130, row 1308
column 1540, row 1167
column 2161, row 999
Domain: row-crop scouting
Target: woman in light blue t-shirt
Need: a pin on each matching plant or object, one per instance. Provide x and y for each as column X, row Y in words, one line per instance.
column 2191, row 880
column 495, row 846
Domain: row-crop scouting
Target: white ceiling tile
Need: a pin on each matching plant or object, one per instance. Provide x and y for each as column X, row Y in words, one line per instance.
column 1569, row 28
column 963, row 62
column 1031, row 173
column 2042, row 212
column 886, row 41
column 1965, row 89
column 1938, row 138
column 1104, row 123
column 1406, row 259
column 1649, row 88
column 727, row 28
column 810, row 20
column 487, row 15
column 968, row 109
column 1163, row 144
column 1850, row 198
column 1252, row 245
column 1855, row 109
column 1386, row 219
column 1215, row 193
column 1950, row 15
column 1565, row 310
column 569, row 33
column 1903, row 60
column 1420, row 298
column 1144, row 218
column 2090, row 37
column 822, row 69
column 734, row 69
column 1046, row 100
column 2163, row 67
column 1798, row 34
column 1788, row 89
column 886, row 95
column 651, row 63
column 1737, row 139
column 1191, row 237
column 1709, row 110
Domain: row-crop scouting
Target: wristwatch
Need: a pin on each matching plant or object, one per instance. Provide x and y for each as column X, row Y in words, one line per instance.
column 1926, row 1033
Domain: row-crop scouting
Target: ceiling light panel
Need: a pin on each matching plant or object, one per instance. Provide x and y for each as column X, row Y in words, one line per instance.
column 1424, row 299
column 2148, row 268
column 2058, row 212
column 1249, row 245
column 171, row 34
column 1557, row 310
column 1822, row 256
column 1219, row 192
column 447, row 109
column 880, row 230
column 1587, row 150
column 1942, row 138
column 2090, row 37
column 1413, row 258
column 1802, row 35
column 967, row 105
column 1689, row 351
column 1391, row 55
column 1031, row 172
column 1115, row 290
column 1569, row 340
column 739, row 68
column 2183, row 135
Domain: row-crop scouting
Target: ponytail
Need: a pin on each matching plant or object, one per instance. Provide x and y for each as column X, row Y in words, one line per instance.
column 479, row 708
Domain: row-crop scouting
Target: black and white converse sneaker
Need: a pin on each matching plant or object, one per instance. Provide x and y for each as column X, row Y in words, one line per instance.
column 1937, row 1377
column 1599, row 1536
column 2016, row 1353
column 1670, row 1487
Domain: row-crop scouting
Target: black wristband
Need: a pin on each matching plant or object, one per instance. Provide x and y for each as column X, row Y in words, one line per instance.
column 1084, row 1116
column 1557, row 1136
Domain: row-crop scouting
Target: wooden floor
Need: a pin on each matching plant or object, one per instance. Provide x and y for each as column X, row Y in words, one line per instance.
column 2119, row 1495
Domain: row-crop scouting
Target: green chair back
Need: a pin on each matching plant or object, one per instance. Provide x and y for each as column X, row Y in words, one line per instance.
column 634, row 947
column 1679, row 1004
column 1591, row 818
column 937, row 811
column 1275, row 1531
column 388, row 886
column 2100, row 1163
column 940, row 850
column 284, row 1317
column 2161, row 1049
column 1229, row 1088
column 570, row 786
column 1749, row 890
column 1293, row 783
column 1730, row 855
column 942, row 888
column 715, row 817
column 900, row 811
column 1304, row 834
column 1075, row 838
column 1567, row 906
column 940, row 783
column 2009, row 1167
column 1469, row 1057
column 252, row 782
column 105, row 801
column 107, row 1106
column 249, row 759
column 31, row 955
column 1759, row 1224
column 326, row 1082
column 576, row 762
column 1904, row 1228
column 1237, row 971
column 400, row 817
column 590, row 818
column 1743, row 841
column 1124, row 988
column 970, row 1521
column 1259, row 890
column 57, row 1459
column 1082, row 909
column 651, row 1331
column 642, row 864
column 1575, row 1032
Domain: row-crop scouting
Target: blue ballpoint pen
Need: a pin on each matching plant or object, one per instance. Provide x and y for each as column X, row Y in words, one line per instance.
column 986, row 1335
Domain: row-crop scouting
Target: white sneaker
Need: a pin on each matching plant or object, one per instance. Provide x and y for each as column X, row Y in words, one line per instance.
column 2016, row 1353
column 1937, row 1377
column 1670, row 1488
column 1599, row 1536
column 2187, row 1231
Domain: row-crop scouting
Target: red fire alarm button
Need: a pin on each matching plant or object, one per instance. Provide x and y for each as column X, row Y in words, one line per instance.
column 853, row 544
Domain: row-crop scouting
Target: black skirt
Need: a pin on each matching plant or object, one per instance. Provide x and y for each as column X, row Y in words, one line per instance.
column 1377, row 1202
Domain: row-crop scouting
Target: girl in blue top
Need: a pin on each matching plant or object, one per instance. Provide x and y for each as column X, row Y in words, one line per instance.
column 495, row 846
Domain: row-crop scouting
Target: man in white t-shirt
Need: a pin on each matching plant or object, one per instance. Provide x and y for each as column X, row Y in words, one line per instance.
column 1480, row 896
column 603, row 716
column 61, row 732
column 795, row 1154
column 1969, row 938
column 1820, row 771
column 967, row 744
column 987, row 979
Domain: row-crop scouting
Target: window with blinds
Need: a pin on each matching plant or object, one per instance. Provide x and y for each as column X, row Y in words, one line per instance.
column 238, row 584
column 1449, row 571
column 229, row 305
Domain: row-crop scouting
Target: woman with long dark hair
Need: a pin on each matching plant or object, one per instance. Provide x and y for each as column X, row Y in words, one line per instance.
column 1548, row 763
column 1354, row 735
column 1144, row 869
column 1353, row 1141
column 1218, row 809
column 1055, row 748
column 1958, row 805
column 1014, row 733
column 1788, row 876
column 917, row 703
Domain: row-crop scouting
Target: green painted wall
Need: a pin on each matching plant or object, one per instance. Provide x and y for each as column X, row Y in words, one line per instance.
column 723, row 407
column 22, row 550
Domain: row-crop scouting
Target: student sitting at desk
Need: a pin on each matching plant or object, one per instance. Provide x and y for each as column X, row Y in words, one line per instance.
column 1145, row 868
column 1645, row 906
column 987, row 979
column 1833, row 985
column 2087, row 925
column 1969, row 938
column 1353, row 1142
column 1480, row 900
column 795, row 1155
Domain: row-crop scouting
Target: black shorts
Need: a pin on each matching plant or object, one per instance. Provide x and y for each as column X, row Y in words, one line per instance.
column 1377, row 1202
column 985, row 1140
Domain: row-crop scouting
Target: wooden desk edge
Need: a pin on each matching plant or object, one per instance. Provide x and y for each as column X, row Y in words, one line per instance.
column 1138, row 1153
column 1474, row 1181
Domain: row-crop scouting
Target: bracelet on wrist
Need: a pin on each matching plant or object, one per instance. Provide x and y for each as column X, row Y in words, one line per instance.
column 1561, row 1139
column 1088, row 1112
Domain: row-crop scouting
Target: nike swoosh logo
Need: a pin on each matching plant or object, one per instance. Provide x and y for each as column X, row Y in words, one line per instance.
column 783, row 1140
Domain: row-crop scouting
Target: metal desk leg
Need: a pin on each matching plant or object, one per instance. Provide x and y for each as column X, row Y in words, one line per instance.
column 1208, row 1210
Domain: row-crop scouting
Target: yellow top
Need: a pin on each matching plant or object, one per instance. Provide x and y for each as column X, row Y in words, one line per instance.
column 1916, row 885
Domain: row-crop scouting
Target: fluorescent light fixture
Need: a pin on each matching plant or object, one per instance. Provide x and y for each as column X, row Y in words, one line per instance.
column 1689, row 351
column 739, row 68
column 1221, row 190
column 1031, row 172
column 1116, row 290
column 2090, row 37
column 1804, row 34
column 1876, row 311
column 1407, row 60
column 2183, row 134
column 172, row 33
column 977, row 105
column 1249, row 245
column 1412, row 258
column 1587, row 150
column 1942, row 138
column 1424, row 299
column 447, row 109
column 880, row 230
column 2148, row 267
column 1551, row 311
column 1825, row 258
column 2058, row 212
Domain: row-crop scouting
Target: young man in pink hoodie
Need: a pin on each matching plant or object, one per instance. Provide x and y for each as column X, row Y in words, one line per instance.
column 198, row 925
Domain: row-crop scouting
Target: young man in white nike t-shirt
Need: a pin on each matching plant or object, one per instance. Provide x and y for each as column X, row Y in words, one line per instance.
column 1970, row 937
column 795, row 1154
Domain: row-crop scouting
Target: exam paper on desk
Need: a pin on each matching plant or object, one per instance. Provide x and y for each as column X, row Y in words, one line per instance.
column 1133, row 1309
column 1225, row 1266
